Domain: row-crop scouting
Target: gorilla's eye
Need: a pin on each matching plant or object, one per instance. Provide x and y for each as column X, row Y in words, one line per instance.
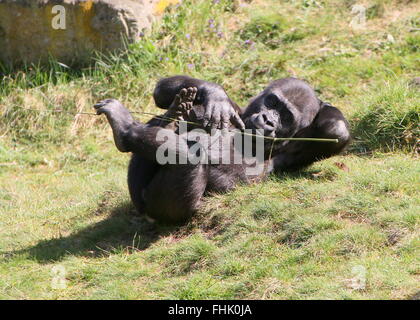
column 273, row 102
column 286, row 117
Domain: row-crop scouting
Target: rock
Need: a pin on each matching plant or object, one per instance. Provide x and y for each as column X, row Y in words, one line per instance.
column 31, row 31
column 415, row 83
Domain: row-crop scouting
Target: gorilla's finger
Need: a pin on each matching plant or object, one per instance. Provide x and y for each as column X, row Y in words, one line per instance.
column 214, row 124
column 237, row 121
column 207, row 115
column 101, row 103
column 99, row 107
column 215, row 118
column 225, row 120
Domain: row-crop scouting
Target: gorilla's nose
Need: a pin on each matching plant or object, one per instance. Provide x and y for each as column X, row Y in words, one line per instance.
column 267, row 122
column 264, row 121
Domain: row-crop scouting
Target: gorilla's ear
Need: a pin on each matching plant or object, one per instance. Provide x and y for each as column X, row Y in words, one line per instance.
column 272, row 101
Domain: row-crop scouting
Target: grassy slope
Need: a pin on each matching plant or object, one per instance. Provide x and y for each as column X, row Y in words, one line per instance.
column 63, row 197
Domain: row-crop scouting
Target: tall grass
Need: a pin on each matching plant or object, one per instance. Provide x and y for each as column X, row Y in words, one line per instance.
column 389, row 118
column 204, row 39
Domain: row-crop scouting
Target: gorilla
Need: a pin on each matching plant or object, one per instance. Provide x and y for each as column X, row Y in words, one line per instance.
column 171, row 192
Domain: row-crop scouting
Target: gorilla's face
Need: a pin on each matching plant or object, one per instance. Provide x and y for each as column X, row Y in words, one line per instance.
column 273, row 114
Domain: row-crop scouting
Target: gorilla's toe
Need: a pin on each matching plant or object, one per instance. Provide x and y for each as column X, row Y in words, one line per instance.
column 104, row 106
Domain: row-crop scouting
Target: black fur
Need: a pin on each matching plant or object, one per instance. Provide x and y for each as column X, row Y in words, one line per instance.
column 213, row 107
column 172, row 193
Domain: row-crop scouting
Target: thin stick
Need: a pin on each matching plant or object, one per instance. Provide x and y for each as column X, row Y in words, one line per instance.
column 293, row 139
column 184, row 121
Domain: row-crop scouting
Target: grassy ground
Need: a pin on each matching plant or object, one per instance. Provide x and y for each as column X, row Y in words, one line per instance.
column 345, row 228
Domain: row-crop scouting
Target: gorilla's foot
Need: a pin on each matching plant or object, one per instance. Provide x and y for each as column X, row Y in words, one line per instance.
column 118, row 117
column 183, row 102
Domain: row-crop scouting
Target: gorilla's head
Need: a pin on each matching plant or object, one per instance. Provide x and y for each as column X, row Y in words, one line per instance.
column 283, row 108
column 272, row 113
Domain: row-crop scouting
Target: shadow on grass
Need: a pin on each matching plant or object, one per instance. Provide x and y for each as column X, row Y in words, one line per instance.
column 121, row 230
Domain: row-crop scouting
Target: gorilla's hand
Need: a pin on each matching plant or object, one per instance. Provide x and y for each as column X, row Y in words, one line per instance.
column 218, row 114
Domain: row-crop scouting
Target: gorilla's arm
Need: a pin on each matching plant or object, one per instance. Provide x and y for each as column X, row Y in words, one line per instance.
column 218, row 110
column 329, row 123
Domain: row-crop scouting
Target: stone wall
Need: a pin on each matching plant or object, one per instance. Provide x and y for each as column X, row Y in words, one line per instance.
column 69, row 30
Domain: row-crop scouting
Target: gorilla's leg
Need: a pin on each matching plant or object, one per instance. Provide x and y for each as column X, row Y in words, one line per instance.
column 174, row 193
column 119, row 118
column 166, row 89
column 136, row 137
column 182, row 186
column 329, row 123
column 140, row 173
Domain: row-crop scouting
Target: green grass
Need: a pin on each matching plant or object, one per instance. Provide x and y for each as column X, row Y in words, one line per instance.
column 63, row 194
